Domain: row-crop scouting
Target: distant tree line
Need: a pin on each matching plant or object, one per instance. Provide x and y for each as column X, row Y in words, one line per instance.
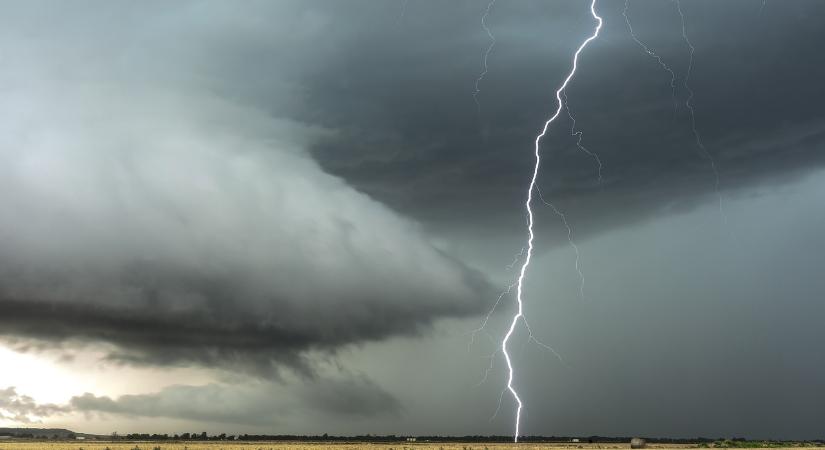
column 38, row 436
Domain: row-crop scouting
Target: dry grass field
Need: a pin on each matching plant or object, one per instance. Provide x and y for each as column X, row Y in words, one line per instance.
column 78, row 445
column 300, row 446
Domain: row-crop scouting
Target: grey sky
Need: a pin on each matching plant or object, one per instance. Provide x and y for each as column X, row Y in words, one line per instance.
column 300, row 201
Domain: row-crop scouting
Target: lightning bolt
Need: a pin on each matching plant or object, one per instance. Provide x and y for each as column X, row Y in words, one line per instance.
column 486, row 53
column 492, row 310
column 653, row 54
column 689, row 105
column 515, row 259
column 578, row 134
column 691, row 94
column 569, row 239
column 519, row 316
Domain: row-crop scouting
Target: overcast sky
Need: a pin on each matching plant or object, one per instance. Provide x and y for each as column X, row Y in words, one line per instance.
column 292, row 217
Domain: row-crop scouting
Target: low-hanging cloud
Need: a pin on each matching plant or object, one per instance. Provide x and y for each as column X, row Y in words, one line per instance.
column 257, row 403
column 23, row 409
column 185, row 228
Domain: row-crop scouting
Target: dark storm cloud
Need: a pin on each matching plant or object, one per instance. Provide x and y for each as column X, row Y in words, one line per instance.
column 221, row 331
column 397, row 91
column 256, row 404
column 401, row 91
column 142, row 208
column 228, row 184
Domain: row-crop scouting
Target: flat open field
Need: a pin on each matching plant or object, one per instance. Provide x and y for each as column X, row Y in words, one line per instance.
column 312, row 446
column 133, row 445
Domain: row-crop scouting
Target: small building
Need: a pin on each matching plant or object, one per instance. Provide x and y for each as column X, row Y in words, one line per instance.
column 575, row 440
column 638, row 443
column 411, row 439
